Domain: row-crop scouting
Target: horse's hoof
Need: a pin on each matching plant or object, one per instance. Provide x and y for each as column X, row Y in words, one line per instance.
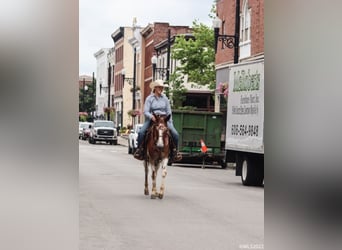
column 146, row 192
column 154, row 196
column 160, row 196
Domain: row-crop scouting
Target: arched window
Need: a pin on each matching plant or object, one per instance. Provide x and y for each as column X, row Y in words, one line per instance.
column 245, row 31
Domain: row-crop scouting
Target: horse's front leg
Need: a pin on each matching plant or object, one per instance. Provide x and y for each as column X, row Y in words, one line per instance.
column 146, row 192
column 154, row 182
column 164, row 173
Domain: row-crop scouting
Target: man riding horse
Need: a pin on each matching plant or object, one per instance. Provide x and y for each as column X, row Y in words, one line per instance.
column 157, row 103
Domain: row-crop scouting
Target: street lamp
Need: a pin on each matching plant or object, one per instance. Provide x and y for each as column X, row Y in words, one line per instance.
column 229, row 41
column 162, row 71
column 94, row 97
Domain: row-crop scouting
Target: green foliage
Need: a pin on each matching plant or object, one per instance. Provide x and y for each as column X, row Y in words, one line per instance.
column 177, row 94
column 88, row 96
column 191, row 108
column 197, row 55
column 83, row 118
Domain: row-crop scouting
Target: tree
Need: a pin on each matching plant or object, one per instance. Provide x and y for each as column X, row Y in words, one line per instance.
column 197, row 55
column 88, row 96
column 177, row 93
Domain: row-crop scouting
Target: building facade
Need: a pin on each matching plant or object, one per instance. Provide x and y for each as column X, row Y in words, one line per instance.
column 196, row 95
column 102, row 63
column 251, row 36
column 123, row 75
column 156, row 38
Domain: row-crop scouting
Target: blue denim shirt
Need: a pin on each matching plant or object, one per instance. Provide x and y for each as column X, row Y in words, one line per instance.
column 158, row 105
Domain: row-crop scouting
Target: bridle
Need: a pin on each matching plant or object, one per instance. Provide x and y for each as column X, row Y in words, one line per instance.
column 161, row 128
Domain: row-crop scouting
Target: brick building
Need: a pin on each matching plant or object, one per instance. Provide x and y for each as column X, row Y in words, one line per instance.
column 152, row 35
column 251, row 42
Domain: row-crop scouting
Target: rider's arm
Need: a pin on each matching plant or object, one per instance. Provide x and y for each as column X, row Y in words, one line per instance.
column 147, row 108
column 168, row 107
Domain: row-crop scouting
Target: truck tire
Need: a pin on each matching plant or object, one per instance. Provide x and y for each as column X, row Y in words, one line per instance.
column 223, row 164
column 252, row 173
column 91, row 140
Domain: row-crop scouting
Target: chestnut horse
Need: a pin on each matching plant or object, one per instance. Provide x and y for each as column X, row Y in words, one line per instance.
column 157, row 154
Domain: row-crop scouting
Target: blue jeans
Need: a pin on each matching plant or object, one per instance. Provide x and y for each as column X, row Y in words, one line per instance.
column 146, row 125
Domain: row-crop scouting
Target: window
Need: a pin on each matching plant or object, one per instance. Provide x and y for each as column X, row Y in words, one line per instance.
column 245, row 31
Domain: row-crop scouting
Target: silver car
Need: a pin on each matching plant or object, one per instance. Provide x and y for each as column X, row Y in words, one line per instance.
column 81, row 127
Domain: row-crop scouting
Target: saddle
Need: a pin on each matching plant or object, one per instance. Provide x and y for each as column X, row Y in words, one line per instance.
column 141, row 152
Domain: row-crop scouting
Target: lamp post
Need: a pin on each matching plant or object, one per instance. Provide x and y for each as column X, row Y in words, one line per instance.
column 154, row 60
column 229, row 41
column 109, row 81
column 94, row 97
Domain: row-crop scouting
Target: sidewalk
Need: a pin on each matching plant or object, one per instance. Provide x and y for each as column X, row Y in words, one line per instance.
column 123, row 140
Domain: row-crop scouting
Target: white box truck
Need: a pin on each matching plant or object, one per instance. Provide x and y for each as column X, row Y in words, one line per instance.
column 244, row 143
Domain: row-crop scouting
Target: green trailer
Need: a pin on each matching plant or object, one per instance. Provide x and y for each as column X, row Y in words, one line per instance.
column 194, row 126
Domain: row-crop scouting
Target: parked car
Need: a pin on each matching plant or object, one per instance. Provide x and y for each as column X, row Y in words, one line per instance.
column 133, row 137
column 81, row 127
column 102, row 130
column 86, row 132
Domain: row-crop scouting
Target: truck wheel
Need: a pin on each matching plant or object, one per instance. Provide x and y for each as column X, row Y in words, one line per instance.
column 223, row 164
column 252, row 173
column 91, row 140
column 115, row 142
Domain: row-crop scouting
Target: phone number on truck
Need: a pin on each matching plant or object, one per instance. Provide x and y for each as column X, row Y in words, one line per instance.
column 245, row 130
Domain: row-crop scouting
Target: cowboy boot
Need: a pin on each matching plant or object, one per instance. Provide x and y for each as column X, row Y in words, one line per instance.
column 139, row 153
column 176, row 156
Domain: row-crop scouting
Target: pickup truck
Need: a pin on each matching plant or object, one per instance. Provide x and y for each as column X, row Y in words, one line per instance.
column 102, row 130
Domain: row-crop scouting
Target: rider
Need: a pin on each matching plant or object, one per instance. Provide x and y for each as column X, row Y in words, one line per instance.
column 159, row 104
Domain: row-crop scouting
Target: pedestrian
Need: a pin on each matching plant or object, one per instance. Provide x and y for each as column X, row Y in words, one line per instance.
column 157, row 103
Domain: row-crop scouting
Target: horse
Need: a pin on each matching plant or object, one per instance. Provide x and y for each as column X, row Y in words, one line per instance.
column 157, row 154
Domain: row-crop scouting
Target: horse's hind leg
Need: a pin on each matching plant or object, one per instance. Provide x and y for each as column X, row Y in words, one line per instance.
column 164, row 173
column 146, row 192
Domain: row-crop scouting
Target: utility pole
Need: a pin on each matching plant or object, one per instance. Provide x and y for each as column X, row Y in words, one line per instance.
column 109, row 81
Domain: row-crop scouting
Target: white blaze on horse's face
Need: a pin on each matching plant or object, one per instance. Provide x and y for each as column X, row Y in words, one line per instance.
column 160, row 142
column 161, row 129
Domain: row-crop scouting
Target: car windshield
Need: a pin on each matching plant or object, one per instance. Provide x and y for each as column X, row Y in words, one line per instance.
column 108, row 124
column 84, row 125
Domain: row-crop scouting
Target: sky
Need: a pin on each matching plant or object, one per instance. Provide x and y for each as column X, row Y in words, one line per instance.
column 98, row 19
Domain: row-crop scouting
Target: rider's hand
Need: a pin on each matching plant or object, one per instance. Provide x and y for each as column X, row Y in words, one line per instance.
column 153, row 118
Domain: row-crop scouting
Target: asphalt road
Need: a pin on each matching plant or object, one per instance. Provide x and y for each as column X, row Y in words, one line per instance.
column 205, row 209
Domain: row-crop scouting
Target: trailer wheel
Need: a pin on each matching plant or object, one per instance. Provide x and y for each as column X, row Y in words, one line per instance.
column 252, row 173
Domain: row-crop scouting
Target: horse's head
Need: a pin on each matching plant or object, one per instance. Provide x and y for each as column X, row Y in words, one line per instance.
column 161, row 130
